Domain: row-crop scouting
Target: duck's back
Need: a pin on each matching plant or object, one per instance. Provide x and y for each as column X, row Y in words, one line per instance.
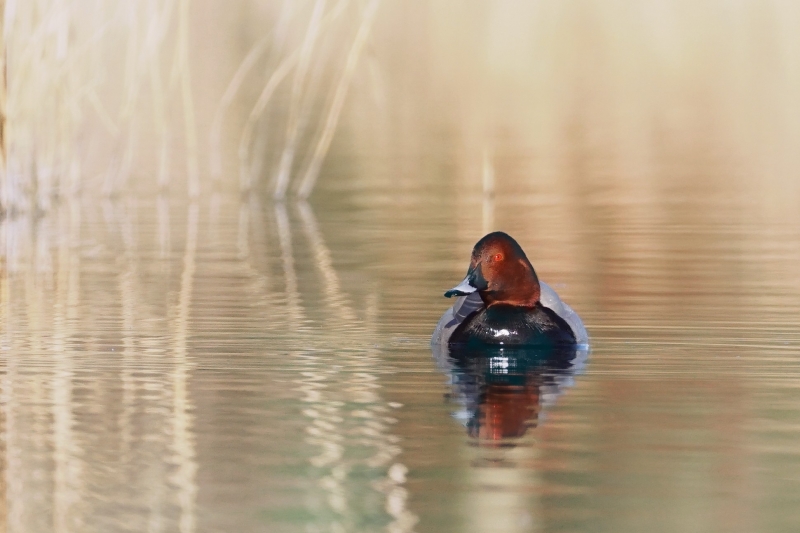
column 514, row 326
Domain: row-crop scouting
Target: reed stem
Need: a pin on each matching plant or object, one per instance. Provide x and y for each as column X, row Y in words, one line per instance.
column 293, row 124
column 310, row 177
column 187, row 101
column 3, row 157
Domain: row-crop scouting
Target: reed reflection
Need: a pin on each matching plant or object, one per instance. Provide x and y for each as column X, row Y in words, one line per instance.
column 155, row 305
column 349, row 421
column 501, row 392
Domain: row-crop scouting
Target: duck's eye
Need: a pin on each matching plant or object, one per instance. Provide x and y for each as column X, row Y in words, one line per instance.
column 498, row 257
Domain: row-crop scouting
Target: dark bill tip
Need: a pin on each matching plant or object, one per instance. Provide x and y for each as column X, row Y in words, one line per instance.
column 462, row 289
column 454, row 292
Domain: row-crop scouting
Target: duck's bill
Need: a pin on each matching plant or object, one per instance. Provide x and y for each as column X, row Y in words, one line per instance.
column 462, row 289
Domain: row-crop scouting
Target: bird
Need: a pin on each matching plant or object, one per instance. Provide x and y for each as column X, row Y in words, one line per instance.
column 502, row 302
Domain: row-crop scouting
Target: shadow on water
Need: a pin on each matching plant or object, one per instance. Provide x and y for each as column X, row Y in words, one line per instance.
column 500, row 392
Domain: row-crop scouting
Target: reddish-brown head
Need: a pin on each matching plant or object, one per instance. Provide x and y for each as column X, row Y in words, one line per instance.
column 500, row 271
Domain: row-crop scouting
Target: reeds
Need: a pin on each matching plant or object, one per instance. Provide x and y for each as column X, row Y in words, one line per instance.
column 3, row 110
column 332, row 119
column 75, row 112
column 300, row 100
column 96, row 91
column 116, row 96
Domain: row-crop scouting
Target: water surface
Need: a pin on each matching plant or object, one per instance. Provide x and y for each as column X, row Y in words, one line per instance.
column 234, row 364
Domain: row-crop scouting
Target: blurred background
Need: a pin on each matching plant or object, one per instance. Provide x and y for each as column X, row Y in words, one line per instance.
column 192, row 96
column 226, row 228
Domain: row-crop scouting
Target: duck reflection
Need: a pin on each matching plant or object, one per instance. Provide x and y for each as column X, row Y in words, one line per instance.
column 502, row 391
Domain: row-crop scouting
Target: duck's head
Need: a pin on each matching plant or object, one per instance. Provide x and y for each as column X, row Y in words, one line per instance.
column 501, row 273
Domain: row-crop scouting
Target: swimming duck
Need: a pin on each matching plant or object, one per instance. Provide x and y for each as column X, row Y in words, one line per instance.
column 502, row 302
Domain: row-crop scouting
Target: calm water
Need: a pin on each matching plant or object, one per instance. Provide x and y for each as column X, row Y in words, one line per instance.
column 231, row 364
column 239, row 365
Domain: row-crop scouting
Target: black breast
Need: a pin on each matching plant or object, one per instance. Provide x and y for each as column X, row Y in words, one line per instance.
column 514, row 326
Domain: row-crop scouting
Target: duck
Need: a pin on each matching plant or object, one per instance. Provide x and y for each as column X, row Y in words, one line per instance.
column 502, row 302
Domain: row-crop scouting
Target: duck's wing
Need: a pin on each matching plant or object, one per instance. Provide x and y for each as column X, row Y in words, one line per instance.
column 550, row 299
column 463, row 307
